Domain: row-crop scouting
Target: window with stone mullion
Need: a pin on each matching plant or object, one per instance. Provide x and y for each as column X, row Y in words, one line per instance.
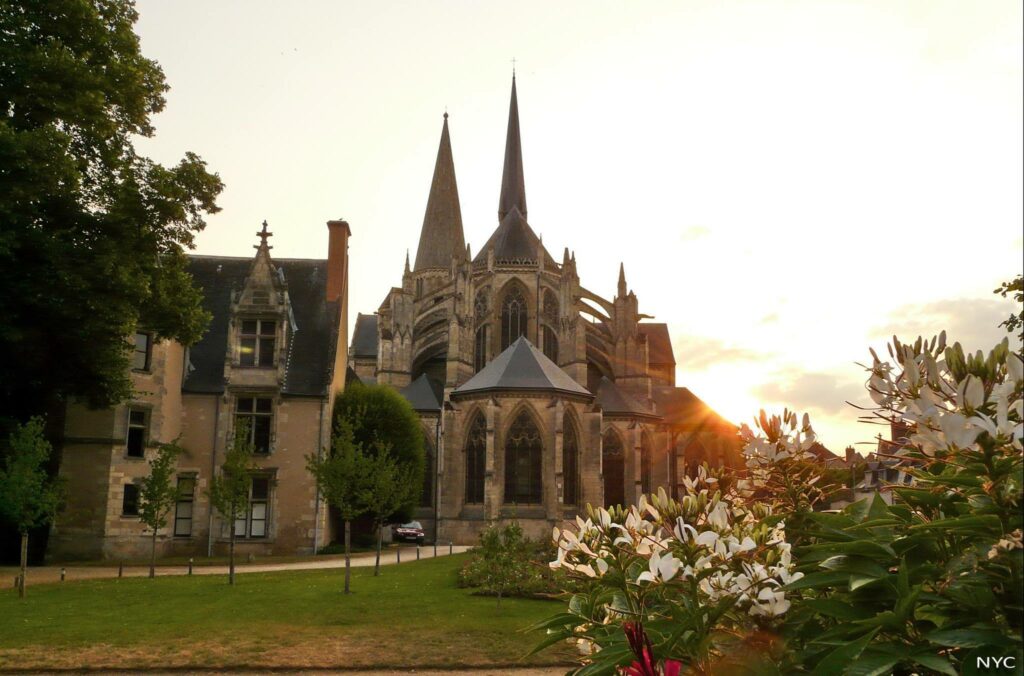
column 257, row 342
column 523, row 453
column 476, row 458
column 570, row 462
column 513, row 317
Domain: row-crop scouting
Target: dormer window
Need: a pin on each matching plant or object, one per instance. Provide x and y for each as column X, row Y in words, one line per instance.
column 257, row 342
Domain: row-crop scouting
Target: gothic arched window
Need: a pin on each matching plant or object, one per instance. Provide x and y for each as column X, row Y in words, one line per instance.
column 570, row 462
column 481, row 305
column 513, row 317
column 476, row 459
column 613, row 465
column 427, row 497
column 480, row 349
column 550, row 343
column 550, row 306
column 645, row 463
column 523, row 452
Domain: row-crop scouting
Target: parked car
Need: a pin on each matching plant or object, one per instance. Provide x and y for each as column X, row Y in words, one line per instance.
column 408, row 532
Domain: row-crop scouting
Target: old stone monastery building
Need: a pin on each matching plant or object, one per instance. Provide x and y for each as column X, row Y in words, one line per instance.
column 536, row 395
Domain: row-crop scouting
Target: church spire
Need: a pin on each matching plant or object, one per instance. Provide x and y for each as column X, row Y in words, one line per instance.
column 622, row 281
column 513, row 187
column 441, row 237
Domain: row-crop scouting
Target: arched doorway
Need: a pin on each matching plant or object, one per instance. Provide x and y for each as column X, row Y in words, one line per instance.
column 613, row 461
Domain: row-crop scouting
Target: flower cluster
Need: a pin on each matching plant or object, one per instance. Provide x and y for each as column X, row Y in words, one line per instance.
column 707, row 538
column 951, row 399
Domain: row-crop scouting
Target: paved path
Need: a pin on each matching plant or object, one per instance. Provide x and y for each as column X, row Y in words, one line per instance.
column 46, row 574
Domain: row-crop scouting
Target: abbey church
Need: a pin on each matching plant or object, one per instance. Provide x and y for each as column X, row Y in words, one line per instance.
column 536, row 395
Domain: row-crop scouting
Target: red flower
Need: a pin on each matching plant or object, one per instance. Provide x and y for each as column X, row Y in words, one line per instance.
column 645, row 665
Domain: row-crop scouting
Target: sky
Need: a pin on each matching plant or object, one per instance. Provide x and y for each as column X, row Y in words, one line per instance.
column 787, row 183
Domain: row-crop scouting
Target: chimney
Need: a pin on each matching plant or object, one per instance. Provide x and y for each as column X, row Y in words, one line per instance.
column 851, row 455
column 337, row 259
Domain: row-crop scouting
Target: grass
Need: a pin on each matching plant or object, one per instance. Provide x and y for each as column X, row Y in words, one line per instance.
column 413, row 615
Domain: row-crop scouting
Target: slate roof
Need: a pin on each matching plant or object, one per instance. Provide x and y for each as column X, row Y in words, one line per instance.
column 659, row 343
column 364, row 336
column 441, row 236
column 521, row 367
column 422, row 394
column 682, row 408
column 614, row 401
column 311, row 350
column 514, row 241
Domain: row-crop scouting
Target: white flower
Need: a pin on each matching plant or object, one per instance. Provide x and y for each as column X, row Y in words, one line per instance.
column 958, row 431
column 661, row 567
column 718, row 517
column 1015, row 368
column 682, row 528
column 769, row 603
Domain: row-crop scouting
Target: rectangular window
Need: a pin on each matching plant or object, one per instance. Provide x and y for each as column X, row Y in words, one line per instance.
column 253, row 523
column 130, row 501
column 135, row 439
column 143, row 352
column 256, row 413
column 183, row 509
column 257, row 341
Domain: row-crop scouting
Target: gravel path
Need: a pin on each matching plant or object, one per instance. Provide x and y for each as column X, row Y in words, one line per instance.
column 48, row 574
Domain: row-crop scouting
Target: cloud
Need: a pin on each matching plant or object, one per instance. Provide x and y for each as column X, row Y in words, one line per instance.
column 821, row 392
column 694, row 232
column 974, row 322
column 698, row 353
column 770, row 318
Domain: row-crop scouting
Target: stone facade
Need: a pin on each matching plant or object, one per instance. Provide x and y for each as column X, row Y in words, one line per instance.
column 455, row 316
column 276, row 350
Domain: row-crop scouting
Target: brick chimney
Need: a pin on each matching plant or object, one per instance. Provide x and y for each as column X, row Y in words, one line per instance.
column 337, row 258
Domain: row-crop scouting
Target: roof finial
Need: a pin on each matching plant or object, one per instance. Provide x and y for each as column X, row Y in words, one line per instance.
column 263, row 234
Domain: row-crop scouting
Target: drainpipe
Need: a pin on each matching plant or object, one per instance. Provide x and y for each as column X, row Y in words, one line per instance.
column 319, row 455
column 437, row 471
column 213, row 472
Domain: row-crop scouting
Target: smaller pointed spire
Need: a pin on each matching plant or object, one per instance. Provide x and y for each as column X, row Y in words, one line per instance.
column 565, row 256
column 469, row 256
column 513, row 186
column 622, row 280
column 441, row 236
column 407, row 269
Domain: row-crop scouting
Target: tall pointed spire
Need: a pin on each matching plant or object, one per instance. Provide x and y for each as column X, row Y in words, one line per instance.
column 513, row 187
column 622, row 281
column 441, row 236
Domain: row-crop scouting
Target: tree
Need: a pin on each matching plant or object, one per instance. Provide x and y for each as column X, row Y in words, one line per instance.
column 229, row 491
column 96, row 232
column 381, row 418
column 158, row 495
column 341, row 476
column 28, row 496
column 389, row 485
column 1015, row 322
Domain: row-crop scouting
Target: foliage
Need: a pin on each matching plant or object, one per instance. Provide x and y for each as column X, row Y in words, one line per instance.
column 380, row 418
column 926, row 584
column 532, row 577
column 1014, row 322
column 935, row 579
column 341, row 474
column 229, row 490
column 686, row 574
column 158, row 494
column 95, row 232
column 28, row 496
column 388, row 487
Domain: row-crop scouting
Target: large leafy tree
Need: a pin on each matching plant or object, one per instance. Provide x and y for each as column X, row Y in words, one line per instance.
column 382, row 421
column 93, row 234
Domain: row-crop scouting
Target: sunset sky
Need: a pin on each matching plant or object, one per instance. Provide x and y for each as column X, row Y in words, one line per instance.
column 786, row 183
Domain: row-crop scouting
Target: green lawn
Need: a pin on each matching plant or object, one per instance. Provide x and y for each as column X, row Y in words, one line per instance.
column 412, row 615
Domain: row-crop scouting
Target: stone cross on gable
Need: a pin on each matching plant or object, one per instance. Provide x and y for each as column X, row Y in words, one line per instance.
column 263, row 234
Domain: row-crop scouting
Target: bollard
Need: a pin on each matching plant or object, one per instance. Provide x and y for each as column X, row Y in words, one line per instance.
column 417, row 552
column 398, row 554
column 435, row 549
column 120, row 569
column 190, row 565
column 449, row 548
column 62, row 574
column 17, row 579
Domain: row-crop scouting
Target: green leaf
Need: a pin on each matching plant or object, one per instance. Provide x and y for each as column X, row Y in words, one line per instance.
column 838, row 659
column 984, row 522
column 854, row 564
column 873, row 665
column 857, row 581
column 817, row 581
column 559, row 620
column 934, row 662
column 969, row 637
column 865, row 547
column 549, row 640
column 837, row 609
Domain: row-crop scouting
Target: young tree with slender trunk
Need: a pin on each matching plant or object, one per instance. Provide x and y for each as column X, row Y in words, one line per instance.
column 28, row 496
column 390, row 484
column 229, row 491
column 341, row 475
column 158, row 495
